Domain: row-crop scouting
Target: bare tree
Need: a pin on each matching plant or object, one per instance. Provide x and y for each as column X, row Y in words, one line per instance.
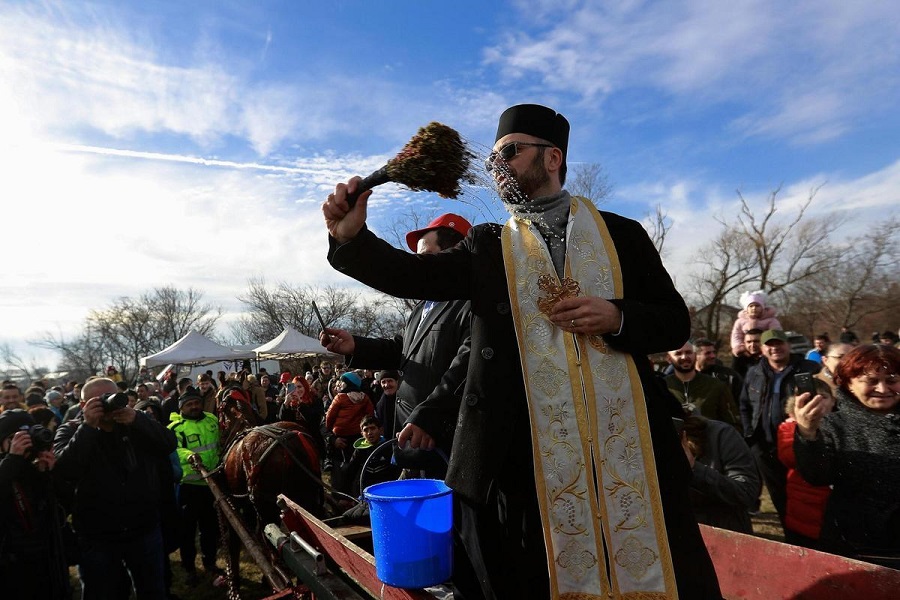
column 270, row 310
column 591, row 181
column 760, row 249
column 177, row 312
column 863, row 282
column 17, row 368
column 134, row 327
column 786, row 252
column 659, row 226
column 725, row 265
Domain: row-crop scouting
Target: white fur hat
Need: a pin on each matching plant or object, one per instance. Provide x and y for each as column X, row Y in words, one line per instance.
column 748, row 298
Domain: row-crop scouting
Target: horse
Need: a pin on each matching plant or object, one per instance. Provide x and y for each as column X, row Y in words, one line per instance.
column 263, row 461
column 259, row 462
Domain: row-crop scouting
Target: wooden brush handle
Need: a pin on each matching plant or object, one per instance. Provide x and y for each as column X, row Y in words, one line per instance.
column 377, row 178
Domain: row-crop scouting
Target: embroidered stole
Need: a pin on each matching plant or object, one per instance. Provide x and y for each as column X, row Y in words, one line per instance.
column 594, row 467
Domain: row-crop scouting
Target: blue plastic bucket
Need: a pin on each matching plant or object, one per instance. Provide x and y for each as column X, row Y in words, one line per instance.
column 412, row 521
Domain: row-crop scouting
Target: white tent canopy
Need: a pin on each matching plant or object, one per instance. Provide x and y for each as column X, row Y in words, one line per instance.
column 291, row 343
column 193, row 348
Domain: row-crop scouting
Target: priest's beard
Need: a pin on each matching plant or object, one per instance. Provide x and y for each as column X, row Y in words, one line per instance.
column 518, row 189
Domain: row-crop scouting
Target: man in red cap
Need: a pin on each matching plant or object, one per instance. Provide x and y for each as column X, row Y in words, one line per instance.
column 436, row 334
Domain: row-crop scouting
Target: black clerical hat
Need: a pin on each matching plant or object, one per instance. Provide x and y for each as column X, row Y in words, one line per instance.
column 536, row 120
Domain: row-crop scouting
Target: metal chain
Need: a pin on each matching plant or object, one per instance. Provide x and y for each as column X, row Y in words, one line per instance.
column 234, row 592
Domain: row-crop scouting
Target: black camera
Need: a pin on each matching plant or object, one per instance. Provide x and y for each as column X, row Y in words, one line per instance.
column 112, row 402
column 41, row 437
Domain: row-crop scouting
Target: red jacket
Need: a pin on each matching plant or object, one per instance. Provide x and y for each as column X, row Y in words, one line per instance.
column 805, row 502
column 346, row 411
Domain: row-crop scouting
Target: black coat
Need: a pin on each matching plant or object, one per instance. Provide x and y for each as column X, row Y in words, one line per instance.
column 115, row 475
column 756, row 394
column 425, row 354
column 857, row 451
column 492, row 445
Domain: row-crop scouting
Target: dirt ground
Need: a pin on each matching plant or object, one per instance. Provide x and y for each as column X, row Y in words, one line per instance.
column 766, row 523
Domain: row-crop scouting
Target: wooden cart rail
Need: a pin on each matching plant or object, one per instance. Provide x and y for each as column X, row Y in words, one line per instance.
column 752, row 568
column 749, row 568
column 355, row 563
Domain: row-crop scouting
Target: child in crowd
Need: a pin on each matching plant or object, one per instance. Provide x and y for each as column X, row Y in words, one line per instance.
column 379, row 468
column 755, row 315
column 342, row 418
column 805, row 502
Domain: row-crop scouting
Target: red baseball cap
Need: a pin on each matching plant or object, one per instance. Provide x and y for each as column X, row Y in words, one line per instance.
column 455, row 222
column 285, row 377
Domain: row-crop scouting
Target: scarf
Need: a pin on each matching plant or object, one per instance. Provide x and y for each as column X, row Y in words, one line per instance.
column 549, row 215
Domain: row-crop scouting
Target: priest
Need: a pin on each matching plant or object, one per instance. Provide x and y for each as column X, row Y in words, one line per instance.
column 570, row 479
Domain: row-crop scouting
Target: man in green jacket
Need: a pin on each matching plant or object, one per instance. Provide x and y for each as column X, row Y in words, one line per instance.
column 197, row 432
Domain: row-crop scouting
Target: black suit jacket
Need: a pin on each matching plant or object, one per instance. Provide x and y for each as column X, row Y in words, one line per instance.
column 425, row 354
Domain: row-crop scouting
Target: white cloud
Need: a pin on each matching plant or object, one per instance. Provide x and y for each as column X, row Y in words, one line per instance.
column 808, row 59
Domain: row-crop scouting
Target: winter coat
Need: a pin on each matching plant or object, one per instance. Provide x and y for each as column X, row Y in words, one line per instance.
column 114, row 475
column 757, row 394
column 744, row 323
column 257, row 399
column 345, row 413
column 725, row 483
column 857, row 452
column 805, row 502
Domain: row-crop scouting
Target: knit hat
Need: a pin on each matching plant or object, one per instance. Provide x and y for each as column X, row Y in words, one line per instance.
column 395, row 375
column 354, row 383
column 189, row 394
column 13, row 420
column 748, row 298
column 536, row 120
column 449, row 220
column 52, row 395
column 35, row 399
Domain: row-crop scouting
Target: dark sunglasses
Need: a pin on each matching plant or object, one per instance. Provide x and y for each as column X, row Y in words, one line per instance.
column 507, row 151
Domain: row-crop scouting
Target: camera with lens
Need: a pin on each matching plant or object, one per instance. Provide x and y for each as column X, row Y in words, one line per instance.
column 41, row 437
column 112, row 402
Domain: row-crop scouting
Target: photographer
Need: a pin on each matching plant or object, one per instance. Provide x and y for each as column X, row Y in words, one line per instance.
column 32, row 561
column 110, row 457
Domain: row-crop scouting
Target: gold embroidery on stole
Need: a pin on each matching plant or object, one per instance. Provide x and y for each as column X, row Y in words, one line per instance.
column 589, row 424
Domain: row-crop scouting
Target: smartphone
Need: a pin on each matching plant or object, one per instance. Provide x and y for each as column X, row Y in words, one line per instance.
column 804, row 383
column 321, row 321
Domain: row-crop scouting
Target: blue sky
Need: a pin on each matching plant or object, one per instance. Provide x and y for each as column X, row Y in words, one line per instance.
column 191, row 143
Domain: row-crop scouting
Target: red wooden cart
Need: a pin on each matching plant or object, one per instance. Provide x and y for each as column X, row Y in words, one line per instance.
column 329, row 562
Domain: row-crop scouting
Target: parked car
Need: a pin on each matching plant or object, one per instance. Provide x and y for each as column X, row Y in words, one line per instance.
column 799, row 343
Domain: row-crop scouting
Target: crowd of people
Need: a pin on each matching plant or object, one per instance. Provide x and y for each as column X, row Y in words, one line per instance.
column 817, row 430
column 578, row 468
column 97, row 473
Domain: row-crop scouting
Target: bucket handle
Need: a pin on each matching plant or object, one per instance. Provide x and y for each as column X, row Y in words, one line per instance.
column 389, row 444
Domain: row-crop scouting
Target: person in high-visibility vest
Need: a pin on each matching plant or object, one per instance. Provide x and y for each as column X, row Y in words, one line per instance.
column 197, row 432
